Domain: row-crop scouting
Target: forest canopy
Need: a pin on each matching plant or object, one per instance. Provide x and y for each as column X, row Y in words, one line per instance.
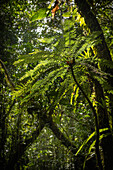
column 56, row 84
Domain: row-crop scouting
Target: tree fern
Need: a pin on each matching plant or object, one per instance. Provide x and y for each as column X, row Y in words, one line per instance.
column 51, row 63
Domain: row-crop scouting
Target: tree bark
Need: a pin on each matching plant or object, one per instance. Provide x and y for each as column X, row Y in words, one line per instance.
column 79, row 159
column 21, row 148
column 64, row 140
column 104, row 54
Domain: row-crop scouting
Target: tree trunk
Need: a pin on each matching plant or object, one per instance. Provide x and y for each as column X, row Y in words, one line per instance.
column 64, row 140
column 107, row 142
column 102, row 53
column 20, row 149
column 79, row 159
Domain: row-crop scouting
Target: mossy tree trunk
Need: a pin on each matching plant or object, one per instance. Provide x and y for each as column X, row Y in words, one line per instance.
column 102, row 52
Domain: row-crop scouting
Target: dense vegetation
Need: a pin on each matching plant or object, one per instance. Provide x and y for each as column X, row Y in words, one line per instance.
column 56, row 84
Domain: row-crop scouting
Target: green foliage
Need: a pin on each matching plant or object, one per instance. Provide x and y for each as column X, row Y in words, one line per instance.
column 89, row 138
column 44, row 87
column 40, row 14
column 52, row 65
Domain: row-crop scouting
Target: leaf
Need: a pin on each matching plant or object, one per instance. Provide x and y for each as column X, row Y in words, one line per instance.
column 86, row 116
column 91, row 146
column 50, row 5
column 67, row 14
column 76, row 95
column 87, row 140
column 40, row 14
column 71, row 100
column 46, row 40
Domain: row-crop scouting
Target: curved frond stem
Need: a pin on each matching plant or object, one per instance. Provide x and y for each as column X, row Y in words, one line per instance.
column 95, row 116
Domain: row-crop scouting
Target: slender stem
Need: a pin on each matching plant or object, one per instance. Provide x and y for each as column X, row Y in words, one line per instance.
column 95, row 116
